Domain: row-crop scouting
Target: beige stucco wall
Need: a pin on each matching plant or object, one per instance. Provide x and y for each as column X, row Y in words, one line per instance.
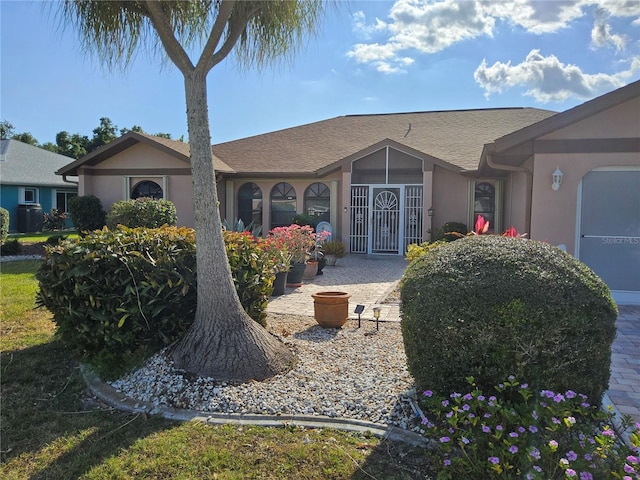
column 450, row 197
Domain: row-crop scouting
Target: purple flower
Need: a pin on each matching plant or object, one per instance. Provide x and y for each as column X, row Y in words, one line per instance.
column 486, row 429
column 513, row 449
column 492, row 398
column 487, row 415
column 588, row 457
column 534, row 415
column 537, row 468
column 555, row 420
column 586, row 476
column 585, row 405
column 558, row 398
column 499, row 427
column 570, row 472
column 428, row 393
column 572, row 456
column 447, row 462
column 481, row 398
column 494, row 460
column 511, row 378
column 608, row 432
column 533, row 429
column 513, row 435
column 467, row 397
column 455, row 395
column 629, row 468
column 445, row 403
column 522, row 429
column 524, row 385
column 449, row 414
column 534, row 453
column 570, row 394
column 632, row 459
column 444, row 439
column 465, row 440
column 466, row 407
column 471, row 415
column 553, row 444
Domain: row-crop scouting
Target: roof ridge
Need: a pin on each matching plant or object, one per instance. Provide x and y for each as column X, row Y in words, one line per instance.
column 443, row 111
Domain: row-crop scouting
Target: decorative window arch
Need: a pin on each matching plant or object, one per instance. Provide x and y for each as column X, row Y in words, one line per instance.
column 147, row 189
column 250, row 204
column 485, row 203
column 317, row 201
column 283, row 204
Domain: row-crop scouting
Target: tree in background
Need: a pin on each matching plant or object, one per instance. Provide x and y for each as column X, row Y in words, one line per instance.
column 223, row 341
column 6, row 130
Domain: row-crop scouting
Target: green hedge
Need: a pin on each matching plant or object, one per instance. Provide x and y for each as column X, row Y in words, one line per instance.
column 491, row 306
column 4, row 224
column 125, row 293
column 86, row 213
column 142, row 212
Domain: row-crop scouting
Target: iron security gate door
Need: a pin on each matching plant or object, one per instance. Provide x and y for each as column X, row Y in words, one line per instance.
column 610, row 227
column 385, row 231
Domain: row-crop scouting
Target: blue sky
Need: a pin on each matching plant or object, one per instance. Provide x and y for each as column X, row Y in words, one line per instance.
column 369, row 57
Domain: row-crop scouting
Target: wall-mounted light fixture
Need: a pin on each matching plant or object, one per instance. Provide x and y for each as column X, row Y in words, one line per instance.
column 556, row 179
column 431, row 211
column 346, row 209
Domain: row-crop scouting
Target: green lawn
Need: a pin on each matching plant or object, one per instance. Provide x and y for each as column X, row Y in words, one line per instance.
column 41, row 236
column 51, row 429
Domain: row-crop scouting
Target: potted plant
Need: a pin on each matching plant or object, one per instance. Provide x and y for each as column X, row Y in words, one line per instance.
column 276, row 251
column 333, row 249
column 298, row 241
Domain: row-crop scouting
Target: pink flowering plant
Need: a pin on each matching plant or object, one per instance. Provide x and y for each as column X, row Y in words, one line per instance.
column 275, row 249
column 516, row 433
column 298, row 240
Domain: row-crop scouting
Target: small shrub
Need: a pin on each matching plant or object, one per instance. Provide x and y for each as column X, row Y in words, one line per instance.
column 334, row 247
column 492, row 306
column 55, row 239
column 303, row 219
column 449, row 232
column 54, row 220
column 416, row 251
column 4, row 224
column 238, row 225
column 11, row 247
column 513, row 432
column 142, row 213
column 253, row 273
column 116, row 293
column 86, row 213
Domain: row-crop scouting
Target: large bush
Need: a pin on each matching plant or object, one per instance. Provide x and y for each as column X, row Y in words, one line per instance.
column 113, row 293
column 142, row 212
column 490, row 307
column 128, row 292
column 86, row 213
column 4, row 224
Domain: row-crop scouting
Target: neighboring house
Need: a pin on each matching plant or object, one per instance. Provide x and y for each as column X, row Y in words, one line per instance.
column 29, row 185
column 384, row 181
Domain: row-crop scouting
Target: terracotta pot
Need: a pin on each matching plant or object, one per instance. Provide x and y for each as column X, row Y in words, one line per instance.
column 331, row 308
column 311, row 270
column 294, row 277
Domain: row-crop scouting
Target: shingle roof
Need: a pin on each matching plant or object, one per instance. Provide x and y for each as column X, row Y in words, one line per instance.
column 24, row 164
column 178, row 149
column 456, row 137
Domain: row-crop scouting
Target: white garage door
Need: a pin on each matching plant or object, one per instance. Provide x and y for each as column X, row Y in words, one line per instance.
column 610, row 230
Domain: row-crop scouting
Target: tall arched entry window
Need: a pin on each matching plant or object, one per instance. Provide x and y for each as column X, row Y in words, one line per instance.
column 250, row 204
column 283, row 204
column 317, row 201
column 485, row 203
column 147, row 189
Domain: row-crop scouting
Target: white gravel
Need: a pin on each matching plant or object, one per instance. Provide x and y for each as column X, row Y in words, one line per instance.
column 347, row 373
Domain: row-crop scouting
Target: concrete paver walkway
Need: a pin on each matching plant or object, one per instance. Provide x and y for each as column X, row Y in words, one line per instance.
column 369, row 279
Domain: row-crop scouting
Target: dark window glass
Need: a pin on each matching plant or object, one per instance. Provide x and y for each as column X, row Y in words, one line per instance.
column 147, row 189
column 250, row 204
column 283, row 204
column 317, row 201
column 485, row 203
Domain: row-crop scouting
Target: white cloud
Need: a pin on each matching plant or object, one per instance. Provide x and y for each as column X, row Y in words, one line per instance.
column 548, row 79
column 601, row 35
column 416, row 27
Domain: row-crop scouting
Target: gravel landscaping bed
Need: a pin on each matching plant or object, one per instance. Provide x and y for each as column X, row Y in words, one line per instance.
column 347, row 373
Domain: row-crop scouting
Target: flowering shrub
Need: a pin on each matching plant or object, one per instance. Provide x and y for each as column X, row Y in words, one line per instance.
column 275, row 249
column 54, row 220
column 482, row 227
column 518, row 434
column 299, row 240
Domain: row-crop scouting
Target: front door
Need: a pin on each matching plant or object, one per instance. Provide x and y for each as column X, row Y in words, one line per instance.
column 385, row 230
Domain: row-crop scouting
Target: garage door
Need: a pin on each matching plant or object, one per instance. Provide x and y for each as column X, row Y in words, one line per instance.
column 610, row 229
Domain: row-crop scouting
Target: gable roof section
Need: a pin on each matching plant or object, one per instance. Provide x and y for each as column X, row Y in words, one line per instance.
column 568, row 117
column 24, row 164
column 179, row 150
column 455, row 137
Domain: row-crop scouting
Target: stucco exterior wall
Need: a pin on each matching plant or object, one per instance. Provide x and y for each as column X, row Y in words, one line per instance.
column 450, row 197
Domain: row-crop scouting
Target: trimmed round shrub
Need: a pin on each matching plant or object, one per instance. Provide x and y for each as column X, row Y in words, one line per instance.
column 449, row 232
column 492, row 306
column 11, row 247
column 142, row 212
column 4, row 224
column 86, row 213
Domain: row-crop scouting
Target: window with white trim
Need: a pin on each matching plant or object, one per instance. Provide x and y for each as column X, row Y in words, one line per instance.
column 62, row 200
column 29, row 195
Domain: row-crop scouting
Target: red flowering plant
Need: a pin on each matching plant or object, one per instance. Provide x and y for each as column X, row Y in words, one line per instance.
column 275, row 249
column 482, row 227
column 298, row 240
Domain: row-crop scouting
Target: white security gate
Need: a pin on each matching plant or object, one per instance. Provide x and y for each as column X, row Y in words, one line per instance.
column 385, row 219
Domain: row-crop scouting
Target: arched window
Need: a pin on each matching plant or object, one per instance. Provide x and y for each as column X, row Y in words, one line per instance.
column 485, row 203
column 317, row 201
column 250, row 204
column 147, row 189
column 283, row 204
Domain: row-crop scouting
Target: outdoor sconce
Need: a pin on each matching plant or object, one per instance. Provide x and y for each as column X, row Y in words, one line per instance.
column 376, row 315
column 557, row 179
column 345, row 209
column 431, row 211
column 359, row 309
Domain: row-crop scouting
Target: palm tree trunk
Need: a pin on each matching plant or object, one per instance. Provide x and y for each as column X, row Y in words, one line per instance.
column 224, row 342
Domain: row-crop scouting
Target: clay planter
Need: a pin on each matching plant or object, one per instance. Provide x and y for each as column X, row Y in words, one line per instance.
column 331, row 308
column 310, row 270
column 331, row 260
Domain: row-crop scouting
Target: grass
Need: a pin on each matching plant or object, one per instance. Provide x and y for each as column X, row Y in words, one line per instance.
column 41, row 236
column 51, row 428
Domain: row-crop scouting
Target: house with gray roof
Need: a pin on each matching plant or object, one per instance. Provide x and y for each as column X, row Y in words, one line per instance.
column 382, row 182
column 29, row 186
